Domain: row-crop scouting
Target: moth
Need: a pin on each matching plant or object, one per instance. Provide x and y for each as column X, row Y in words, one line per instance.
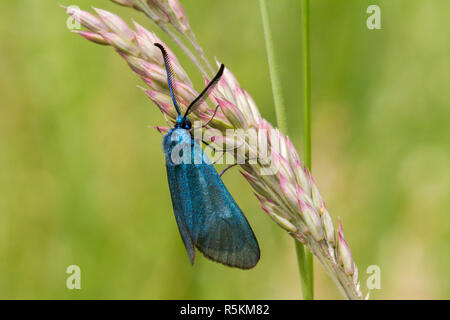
column 207, row 216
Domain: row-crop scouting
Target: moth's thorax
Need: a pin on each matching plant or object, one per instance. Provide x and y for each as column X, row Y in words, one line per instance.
column 180, row 148
column 176, row 136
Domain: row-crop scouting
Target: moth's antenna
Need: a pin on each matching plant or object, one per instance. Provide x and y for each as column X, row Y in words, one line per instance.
column 170, row 74
column 205, row 93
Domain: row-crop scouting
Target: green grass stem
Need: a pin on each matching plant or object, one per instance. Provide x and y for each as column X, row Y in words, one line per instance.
column 304, row 257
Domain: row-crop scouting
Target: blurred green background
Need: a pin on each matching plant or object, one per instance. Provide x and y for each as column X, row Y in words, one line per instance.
column 83, row 179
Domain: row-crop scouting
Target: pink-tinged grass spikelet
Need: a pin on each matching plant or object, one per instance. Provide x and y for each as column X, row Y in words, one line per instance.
column 290, row 197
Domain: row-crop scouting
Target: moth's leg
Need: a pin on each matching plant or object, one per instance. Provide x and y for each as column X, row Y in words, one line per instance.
column 208, row 122
column 231, row 166
column 227, row 168
column 221, row 156
column 215, row 151
column 223, row 150
column 211, row 119
column 167, row 121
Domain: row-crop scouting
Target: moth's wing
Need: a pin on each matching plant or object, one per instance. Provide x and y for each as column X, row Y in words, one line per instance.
column 177, row 177
column 220, row 230
column 182, row 206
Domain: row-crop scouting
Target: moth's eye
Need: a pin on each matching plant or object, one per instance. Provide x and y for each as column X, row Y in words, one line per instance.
column 188, row 123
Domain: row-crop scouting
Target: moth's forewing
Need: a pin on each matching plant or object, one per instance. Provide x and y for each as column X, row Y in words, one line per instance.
column 180, row 194
column 208, row 217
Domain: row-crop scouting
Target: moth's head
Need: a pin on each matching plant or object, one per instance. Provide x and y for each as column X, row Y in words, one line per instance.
column 183, row 122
